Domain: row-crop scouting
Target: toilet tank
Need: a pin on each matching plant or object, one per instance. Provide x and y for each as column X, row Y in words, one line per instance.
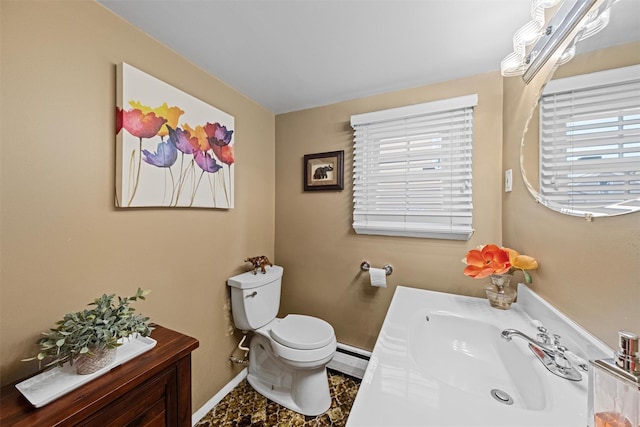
column 255, row 298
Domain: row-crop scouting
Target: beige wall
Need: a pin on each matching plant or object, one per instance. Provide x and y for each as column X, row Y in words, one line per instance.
column 63, row 242
column 589, row 270
column 320, row 251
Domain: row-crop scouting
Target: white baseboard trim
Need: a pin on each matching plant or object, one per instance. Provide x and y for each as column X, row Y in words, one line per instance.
column 211, row 403
column 348, row 360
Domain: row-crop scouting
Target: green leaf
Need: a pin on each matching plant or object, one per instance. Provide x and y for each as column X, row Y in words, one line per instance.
column 527, row 277
column 99, row 325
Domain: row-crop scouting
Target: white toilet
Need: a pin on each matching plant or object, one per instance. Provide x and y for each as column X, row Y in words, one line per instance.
column 288, row 357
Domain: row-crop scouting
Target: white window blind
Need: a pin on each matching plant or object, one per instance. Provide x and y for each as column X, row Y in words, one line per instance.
column 590, row 140
column 412, row 170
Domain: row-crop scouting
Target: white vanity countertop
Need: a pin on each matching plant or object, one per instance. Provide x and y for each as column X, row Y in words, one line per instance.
column 438, row 357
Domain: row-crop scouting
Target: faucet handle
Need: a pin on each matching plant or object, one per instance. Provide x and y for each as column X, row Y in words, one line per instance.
column 560, row 357
column 566, row 359
column 576, row 360
column 543, row 336
column 556, row 339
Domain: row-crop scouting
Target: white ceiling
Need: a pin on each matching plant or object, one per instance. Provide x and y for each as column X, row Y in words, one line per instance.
column 289, row 55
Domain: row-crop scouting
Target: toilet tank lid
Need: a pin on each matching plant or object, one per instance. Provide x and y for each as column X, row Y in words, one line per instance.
column 249, row 280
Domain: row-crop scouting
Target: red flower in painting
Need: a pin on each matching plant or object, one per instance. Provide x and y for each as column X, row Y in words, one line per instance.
column 118, row 120
column 172, row 114
column 224, row 153
column 142, row 125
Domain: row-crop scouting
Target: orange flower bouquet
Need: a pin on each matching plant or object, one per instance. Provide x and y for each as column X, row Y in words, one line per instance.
column 492, row 259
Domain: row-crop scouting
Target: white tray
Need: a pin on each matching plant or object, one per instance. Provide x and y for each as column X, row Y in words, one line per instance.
column 54, row 383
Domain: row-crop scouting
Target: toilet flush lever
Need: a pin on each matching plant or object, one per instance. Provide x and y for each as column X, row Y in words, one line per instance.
column 252, row 294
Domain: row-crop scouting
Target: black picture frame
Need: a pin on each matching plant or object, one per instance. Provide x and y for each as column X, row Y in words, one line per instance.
column 324, row 171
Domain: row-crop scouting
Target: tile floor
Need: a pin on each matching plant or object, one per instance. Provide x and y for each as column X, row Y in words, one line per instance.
column 244, row 407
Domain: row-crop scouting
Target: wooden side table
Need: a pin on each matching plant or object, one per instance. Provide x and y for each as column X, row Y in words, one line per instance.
column 154, row 389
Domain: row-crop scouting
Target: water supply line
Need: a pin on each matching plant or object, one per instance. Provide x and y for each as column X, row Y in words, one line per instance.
column 245, row 359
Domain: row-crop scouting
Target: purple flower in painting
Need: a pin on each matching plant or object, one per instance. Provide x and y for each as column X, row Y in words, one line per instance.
column 183, row 140
column 164, row 157
column 218, row 134
column 206, row 162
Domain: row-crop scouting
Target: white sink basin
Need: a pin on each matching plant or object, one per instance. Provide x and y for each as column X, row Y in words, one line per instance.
column 440, row 361
column 469, row 355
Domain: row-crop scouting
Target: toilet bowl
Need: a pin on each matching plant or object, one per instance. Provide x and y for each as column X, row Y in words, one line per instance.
column 288, row 356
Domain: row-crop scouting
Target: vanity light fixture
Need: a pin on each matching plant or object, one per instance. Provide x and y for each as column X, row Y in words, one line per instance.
column 515, row 63
column 589, row 16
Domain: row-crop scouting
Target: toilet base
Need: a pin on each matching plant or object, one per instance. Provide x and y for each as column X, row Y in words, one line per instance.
column 305, row 391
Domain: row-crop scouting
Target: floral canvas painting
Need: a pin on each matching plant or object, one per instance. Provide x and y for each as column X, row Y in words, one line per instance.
column 172, row 149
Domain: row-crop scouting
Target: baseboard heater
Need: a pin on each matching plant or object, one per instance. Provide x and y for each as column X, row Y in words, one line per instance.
column 350, row 360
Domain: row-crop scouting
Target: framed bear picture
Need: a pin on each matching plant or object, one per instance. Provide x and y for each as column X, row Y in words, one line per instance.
column 324, row 171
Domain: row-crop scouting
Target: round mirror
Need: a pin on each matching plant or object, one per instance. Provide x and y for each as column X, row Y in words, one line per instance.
column 580, row 155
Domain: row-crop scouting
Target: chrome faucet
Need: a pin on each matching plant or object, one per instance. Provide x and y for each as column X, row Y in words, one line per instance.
column 542, row 341
column 555, row 357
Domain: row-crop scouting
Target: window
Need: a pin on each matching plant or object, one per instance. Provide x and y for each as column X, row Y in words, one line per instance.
column 412, row 170
column 590, row 140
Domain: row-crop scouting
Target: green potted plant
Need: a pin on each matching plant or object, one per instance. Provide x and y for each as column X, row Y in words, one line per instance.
column 90, row 337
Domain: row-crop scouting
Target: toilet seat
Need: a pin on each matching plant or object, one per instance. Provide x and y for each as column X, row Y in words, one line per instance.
column 301, row 332
column 315, row 335
column 304, row 358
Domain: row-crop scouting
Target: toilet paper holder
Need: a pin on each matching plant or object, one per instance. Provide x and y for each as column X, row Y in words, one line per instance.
column 365, row 266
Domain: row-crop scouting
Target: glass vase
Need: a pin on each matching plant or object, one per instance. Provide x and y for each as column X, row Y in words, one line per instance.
column 499, row 293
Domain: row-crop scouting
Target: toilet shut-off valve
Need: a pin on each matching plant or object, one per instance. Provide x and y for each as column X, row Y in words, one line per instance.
column 245, row 359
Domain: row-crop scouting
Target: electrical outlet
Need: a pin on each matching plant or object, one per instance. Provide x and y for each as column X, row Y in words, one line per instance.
column 508, row 180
